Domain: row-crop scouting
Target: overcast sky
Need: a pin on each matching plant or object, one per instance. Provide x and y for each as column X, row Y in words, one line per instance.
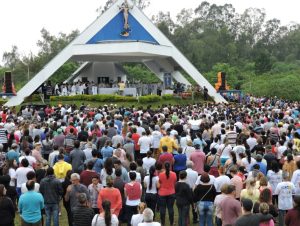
column 22, row 20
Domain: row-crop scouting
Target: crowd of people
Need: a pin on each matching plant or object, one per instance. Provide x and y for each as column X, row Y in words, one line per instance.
column 226, row 164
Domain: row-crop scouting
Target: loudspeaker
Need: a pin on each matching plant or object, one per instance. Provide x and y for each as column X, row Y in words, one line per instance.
column 223, row 81
column 8, row 82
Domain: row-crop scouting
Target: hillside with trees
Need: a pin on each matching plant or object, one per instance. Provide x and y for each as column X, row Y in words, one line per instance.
column 260, row 56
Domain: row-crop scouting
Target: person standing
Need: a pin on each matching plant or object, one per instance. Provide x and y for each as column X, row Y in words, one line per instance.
column 198, row 158
column 230, row 208
column 7, row 213
column 292, row 217
column 105, row 217
column 82, row 213
column 133, row 193
column 285, row 191
column 144, row 143
column 183, row 199
column 166, row 185
column 248, row 218
column 77, row 158
column 150, row 182
column 61, row 168
column 30, row 206
column 52, row 191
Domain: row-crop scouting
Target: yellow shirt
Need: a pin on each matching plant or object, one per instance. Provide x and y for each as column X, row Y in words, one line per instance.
column 61, row 169
column 121, row 86
column 297, row 144
column 169, row 142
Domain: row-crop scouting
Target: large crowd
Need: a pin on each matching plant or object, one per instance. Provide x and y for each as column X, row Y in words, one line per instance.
column 217, row 164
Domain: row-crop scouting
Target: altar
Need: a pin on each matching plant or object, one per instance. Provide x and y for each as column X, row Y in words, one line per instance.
column 127, row 91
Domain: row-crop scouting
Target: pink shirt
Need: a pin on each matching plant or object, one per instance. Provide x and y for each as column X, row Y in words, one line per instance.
column 238, row 183
column 198, row 158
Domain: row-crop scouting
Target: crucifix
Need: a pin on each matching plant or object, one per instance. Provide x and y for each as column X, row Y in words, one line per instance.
column 125, row 7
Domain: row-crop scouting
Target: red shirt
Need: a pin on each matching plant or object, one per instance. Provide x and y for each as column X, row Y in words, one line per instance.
column 133, row 191
column 86, row 177
column 135, row 138
column 198, row 158
column 166, row 157
column 167, row 185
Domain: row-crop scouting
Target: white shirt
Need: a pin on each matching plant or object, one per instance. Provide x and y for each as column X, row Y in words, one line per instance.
column 155, row 139
column 183, row 141
column 285, row 191
column 144, row 143
column 153, row 189
column 31, row 160
column 52, row 157
column 296, row 181
column 12, row 174
column 224, row 151
column 149, row 224
column 21, row 173
column 138, row 176
column 24, row 188
column 99, row 221
column 147, row 163
column 219, row 181
column 188, row 151
column 251, row 141
column 191, row 177
column 136, row 219
column 247, row 164
column 274, row 178
column 216, row 130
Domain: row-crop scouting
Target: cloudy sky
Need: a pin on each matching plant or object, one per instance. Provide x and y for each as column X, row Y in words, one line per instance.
column 21, row 21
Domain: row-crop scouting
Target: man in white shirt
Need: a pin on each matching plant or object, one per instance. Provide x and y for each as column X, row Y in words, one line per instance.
column 30, row 176
column 117, row 139
column 52, row 155
column 285, row 191
column 192, row 175
column 251, row 141
column 216, row 129
column 145, row 143
column 148, row 218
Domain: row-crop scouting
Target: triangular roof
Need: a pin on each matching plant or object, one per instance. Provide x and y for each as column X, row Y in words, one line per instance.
column 102, row 41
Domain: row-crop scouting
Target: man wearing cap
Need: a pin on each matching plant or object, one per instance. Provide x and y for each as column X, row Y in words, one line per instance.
column 59, row 138
column 13, row 153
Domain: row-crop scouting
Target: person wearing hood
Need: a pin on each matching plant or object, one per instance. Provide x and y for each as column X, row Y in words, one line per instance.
column 51, row 189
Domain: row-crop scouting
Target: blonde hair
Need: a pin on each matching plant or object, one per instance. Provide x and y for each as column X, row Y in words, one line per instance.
column 141, row 207
column 264, row 208
column 251, row 187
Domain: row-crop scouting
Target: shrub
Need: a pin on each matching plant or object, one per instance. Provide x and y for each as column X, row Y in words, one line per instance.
column 149, row 99
column 168, row 97
column 98, row 98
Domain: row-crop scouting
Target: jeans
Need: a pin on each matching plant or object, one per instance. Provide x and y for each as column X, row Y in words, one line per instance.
column 151, row 201
column 183, row 215
column 52, row 209
column 281, row 215
column 24, row 223
column 166, row 202
column 206, row 209
column 218, row 221
column 130, row 211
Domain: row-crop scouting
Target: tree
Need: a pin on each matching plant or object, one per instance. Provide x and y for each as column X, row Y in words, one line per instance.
column 11, row 58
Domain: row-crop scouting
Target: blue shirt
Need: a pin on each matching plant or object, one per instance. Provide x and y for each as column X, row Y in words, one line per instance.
column 262, row 167
column 30, row 205
column 12, row 154
column 98, row 165
column 107, row 152
column 180, row 162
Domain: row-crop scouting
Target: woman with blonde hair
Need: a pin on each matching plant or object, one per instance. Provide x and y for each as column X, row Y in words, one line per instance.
column 138, row 218
column 251, row 192
column 264, row 210
column 289, row 166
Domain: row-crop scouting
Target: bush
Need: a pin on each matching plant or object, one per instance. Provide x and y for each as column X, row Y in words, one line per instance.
column 98, row 98
column 168, row 97
column 149, row 99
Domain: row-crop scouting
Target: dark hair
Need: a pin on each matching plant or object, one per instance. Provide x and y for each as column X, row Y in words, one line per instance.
column 76, row 143
column 30, row 175
column 118, row 172
column 132, row 166
column 248, row 153
column 213, row 151
column 30, row 185
column 182, row 175
column 24, row 162
column 165, row 148
column 132, row 175
column 206, row 168
column 167, row 167
column 265, row 196
column 90, row 165
column 298, row 164
column 60, row 157
column 151, row 175
column 108, row 166
column 107, row 213
column 233, row 155
column 1, row 190
column 50, row 171
column 275, row 166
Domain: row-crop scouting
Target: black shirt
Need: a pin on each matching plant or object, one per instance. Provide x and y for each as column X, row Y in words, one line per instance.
column 183, row 194
column 82, row 216
column 205, row 193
